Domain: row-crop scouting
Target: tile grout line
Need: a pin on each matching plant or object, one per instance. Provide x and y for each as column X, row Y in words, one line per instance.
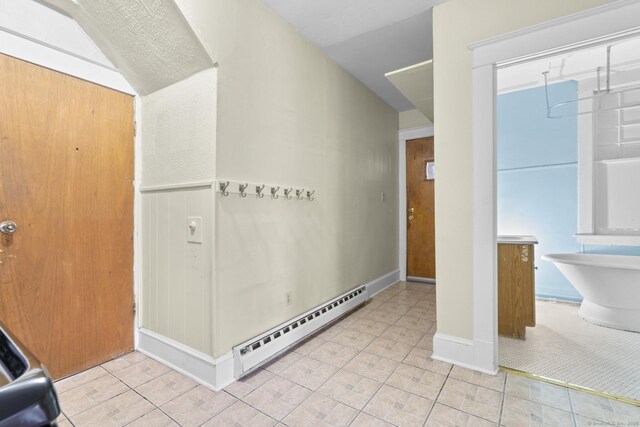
column 100, row 403
column 504, row 394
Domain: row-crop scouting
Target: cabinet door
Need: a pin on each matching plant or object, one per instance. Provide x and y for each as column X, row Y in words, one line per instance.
column 516, row 297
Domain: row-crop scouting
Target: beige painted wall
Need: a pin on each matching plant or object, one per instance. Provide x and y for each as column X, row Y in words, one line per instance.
column 288, row 115
column 412, row 119
column 456, row 24
column 178, row 132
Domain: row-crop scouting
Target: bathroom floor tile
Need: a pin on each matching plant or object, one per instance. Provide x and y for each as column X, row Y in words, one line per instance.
column 518, row 412
column 353, row 338
column 417, row 381
column 389, row 348
column 404, row 299
column 369, row 326
column 197, row 406
column 319, row 410
column 372, row 366
column 395, row 308
column 309, row 373
column 277, row 397
column 384, row 316
column 155, row 418
column 494, row 382
column 350, row 388
column 601, row 408
column 472, row 399
column 334, row 354
column 421, row 357
column 571, row 350
column 404, row 335
column 365, row 420
column 426, row 341
column 141, row 372
column 399, row 407
column 240, row 415
column 309, row 345
column 80, row 379
column 91, row 394
column 119, row 411
column 444, row 416
column 538, row 391
column 283, row 362
column 248, row 383
column 166, row 387
column 415, row 323
column 124, row 361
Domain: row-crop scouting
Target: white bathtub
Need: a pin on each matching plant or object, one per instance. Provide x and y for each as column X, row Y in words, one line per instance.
column 609, row 284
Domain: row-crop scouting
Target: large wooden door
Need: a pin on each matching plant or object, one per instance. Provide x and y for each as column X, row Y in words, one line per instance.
column 421, row 245
column 66, row 180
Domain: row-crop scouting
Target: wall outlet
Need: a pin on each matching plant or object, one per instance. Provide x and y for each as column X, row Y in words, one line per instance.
column 289, row 298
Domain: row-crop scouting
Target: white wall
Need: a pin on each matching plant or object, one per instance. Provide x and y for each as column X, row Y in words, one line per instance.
column 179, row 132
column 178, row 167
column 412, row 119
column 289, row 115
column 458, row 23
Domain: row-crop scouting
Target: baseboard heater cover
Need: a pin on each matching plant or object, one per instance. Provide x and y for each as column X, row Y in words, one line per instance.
column 254, row 352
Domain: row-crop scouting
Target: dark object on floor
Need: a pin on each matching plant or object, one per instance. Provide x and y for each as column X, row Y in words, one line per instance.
column 27, row 396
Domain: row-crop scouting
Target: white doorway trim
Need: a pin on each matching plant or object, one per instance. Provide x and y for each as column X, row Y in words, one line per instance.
column 615, row 20
column 403, row 137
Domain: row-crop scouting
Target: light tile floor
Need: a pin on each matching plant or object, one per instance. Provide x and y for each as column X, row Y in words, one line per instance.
column 569, row 349
column 371, row 368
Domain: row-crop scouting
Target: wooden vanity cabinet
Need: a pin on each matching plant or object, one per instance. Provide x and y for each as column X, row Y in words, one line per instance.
column 516, row 289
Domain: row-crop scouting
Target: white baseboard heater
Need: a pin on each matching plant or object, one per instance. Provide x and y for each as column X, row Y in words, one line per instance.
column 252, row 353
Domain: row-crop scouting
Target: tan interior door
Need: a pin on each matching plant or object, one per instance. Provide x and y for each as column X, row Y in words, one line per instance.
column 66, row 174
column 421, row 245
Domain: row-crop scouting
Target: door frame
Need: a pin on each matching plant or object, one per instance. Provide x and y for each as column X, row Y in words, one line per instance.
column 404, row 136
column 594, row 26
column 25, row 47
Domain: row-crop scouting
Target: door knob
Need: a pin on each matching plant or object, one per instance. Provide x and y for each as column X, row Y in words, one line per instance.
column 8, row 227
column 411, row 210
column 410, row 217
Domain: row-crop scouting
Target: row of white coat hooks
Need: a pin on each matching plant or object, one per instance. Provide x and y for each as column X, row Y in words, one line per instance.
column 244, row 189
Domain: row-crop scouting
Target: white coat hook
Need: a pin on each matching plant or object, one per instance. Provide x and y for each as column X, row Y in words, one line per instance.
column 287, row 193
column 242, row 188
column 274, row 192
column 259, row 189
column 223, row 188
column 310, row 195
column 299, row 194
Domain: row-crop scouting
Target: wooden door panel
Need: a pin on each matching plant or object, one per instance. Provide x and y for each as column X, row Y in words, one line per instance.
column 66, row 179
column 421, row 247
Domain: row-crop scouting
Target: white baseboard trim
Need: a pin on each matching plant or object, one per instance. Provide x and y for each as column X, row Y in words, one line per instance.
column 213, row 373
column 463, row 352
column 381, row 283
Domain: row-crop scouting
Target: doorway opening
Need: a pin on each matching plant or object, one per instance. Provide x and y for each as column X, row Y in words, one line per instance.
column 568, row 157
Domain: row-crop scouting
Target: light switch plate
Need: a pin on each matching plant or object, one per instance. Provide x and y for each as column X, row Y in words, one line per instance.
column 194, row 229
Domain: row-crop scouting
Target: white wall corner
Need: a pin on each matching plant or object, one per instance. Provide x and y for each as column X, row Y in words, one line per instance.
column 213, row 373
column 466, row 353
column 454, row 350
column 381, row 283
column 403, row 137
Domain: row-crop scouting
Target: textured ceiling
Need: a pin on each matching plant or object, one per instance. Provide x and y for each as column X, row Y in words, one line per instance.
column 367, row 37
column 148, row 40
